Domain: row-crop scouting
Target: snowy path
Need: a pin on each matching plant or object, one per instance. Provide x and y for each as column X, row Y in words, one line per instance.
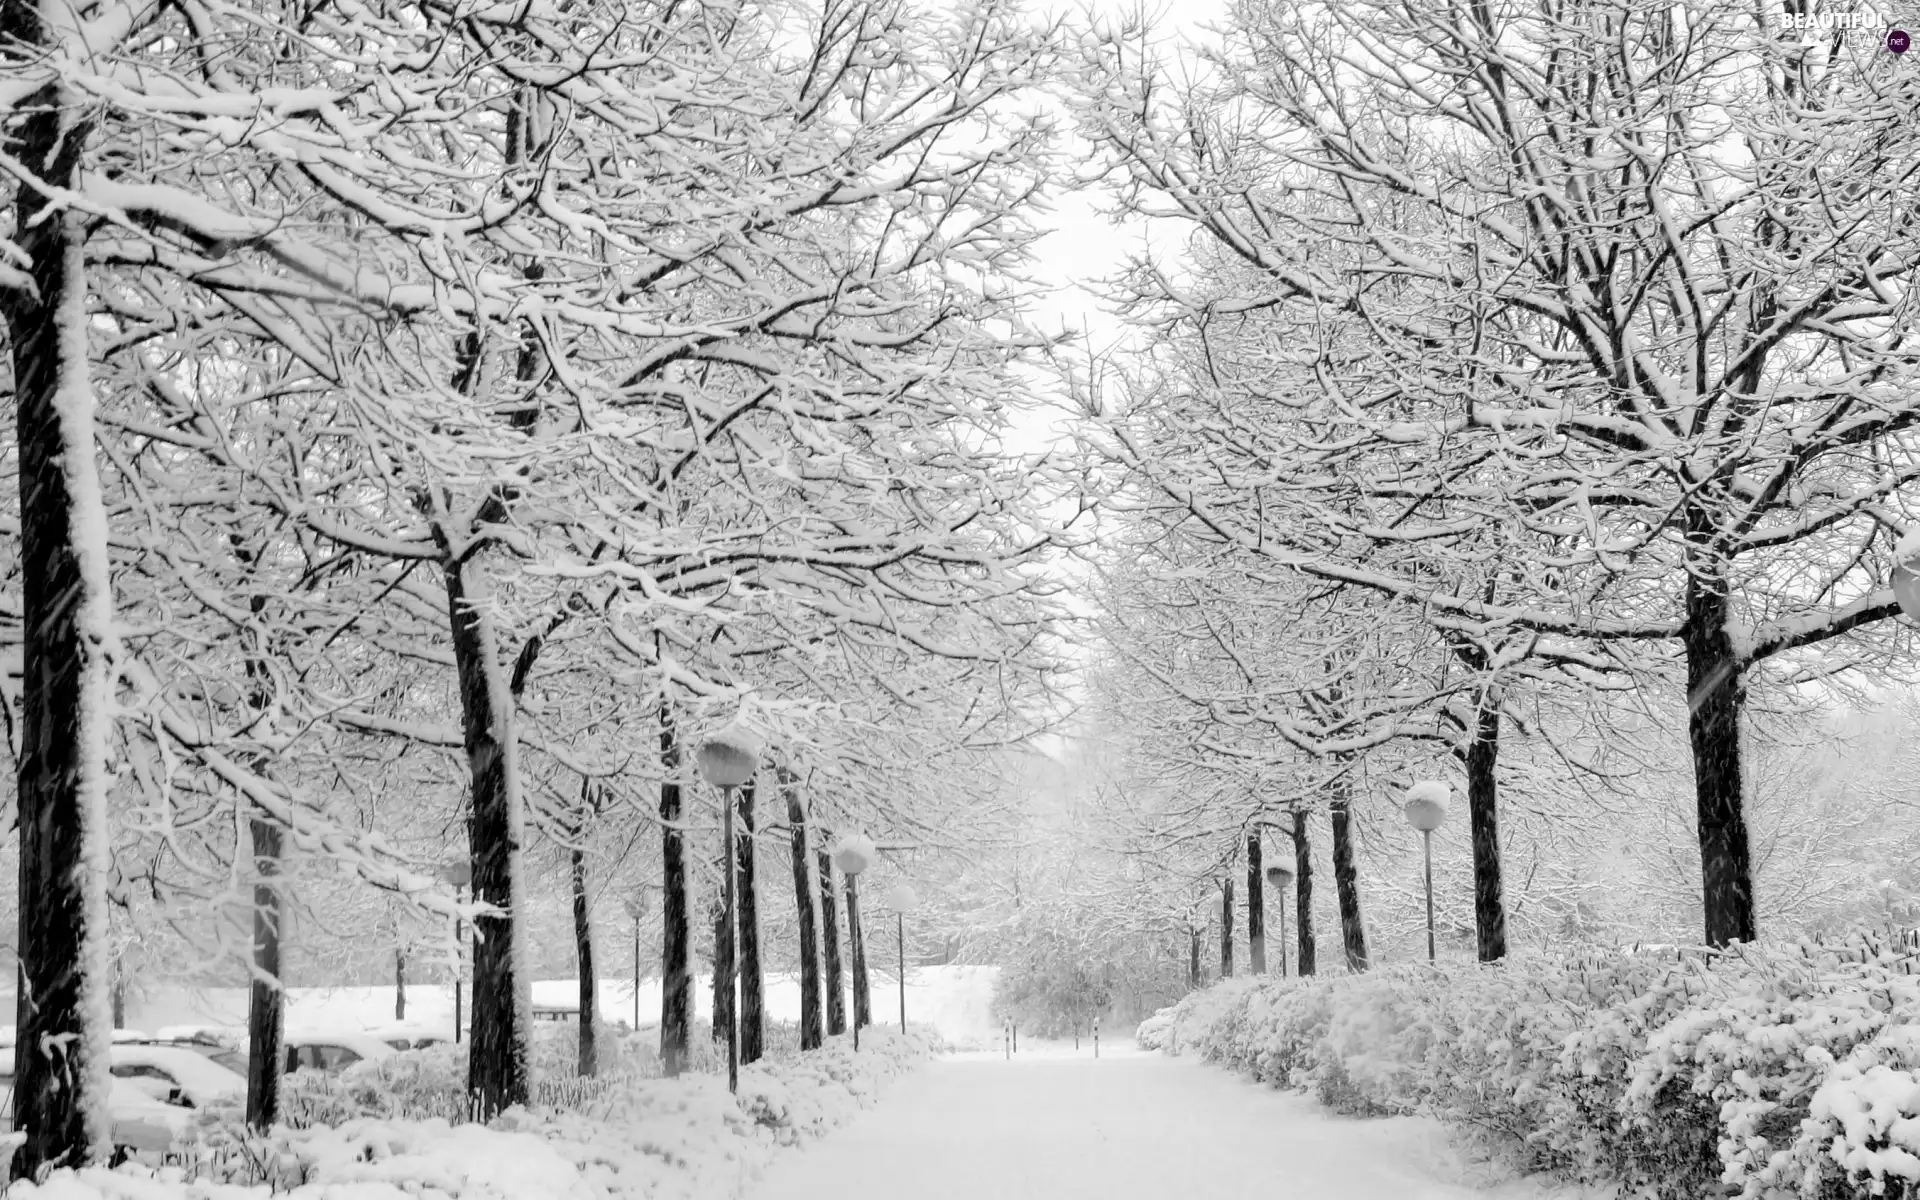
column 1126, row 1126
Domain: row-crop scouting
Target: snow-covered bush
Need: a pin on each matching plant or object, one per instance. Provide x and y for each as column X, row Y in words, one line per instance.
column 1762, row 1073
column 1151, row 1034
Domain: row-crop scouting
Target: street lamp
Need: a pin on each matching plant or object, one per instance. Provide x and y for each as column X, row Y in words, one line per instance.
column 1906, row 573
column 853, row 854
column 901, row 900
column 1280, row 879
column 636, row 903
column 1426, row 808
column 728, row 759
column 459, row 873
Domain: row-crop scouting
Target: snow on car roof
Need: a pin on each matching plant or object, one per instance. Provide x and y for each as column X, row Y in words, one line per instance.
column 195, row 1072
column 224, row 1035
column 405, row 1030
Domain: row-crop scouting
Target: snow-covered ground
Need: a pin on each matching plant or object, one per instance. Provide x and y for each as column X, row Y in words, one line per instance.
column 955, row 1001
column 1129, row 1126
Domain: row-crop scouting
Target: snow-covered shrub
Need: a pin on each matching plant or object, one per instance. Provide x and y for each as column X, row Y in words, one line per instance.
column 1862, row 1134
column 1151, row 1034
column 1198, row 1014
column 1808, row 1067
column 1767, row 1073
column 1373, row 1043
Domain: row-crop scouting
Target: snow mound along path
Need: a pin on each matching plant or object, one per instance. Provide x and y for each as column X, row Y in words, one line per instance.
column 650, row 1139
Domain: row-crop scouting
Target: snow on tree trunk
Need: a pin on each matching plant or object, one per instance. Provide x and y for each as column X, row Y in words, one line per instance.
column 399, row 985
column 810, row 1027
column 499, row 1060
column 830, row 946
column 1346, row 879
column 857, row 941
column 1256, row 909
column 1489, row 902
column 589, row 991
column 676, row 929
column 62, row 1017
column 753, row 986
column 266, row 1001
column 1716, row 696
column 1226, row 928
column 1303, row 893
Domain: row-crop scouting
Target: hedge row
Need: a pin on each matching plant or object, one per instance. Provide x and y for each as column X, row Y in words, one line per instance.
column 1760, row 1073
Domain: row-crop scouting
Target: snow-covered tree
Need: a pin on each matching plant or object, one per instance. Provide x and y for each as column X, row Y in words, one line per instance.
column 1675, row 351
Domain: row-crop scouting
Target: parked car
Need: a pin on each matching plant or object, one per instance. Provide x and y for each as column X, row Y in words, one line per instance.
column 178, row 1075
column 140, row 1123
column 331, row 1052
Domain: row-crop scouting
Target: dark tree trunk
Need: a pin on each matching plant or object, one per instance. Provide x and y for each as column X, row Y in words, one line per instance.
column 857, row 942
column 1716, row 696
column 836, row 993
column 589, row 984
column 498, row 1073
column 1256, row 909
column 399, row 985
column 676, row 931
column 1226, row 928
column 753, row 985
column 61, row 770
column 1193, row 956
column 266, row 1001
column 810, row 1026
column 1303, row 893
column 1489, row 904
column 119, row 999
column 1346, row 879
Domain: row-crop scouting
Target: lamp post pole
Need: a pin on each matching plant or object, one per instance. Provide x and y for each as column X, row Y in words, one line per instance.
column 1280, row 879
column 1283, row 935
column 853, row 854
column 853, row 947
column 637, row 909
column 901, row 899
column 728, row 759
column 1426, row 837
column 1426, row 808
column 459, row 873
